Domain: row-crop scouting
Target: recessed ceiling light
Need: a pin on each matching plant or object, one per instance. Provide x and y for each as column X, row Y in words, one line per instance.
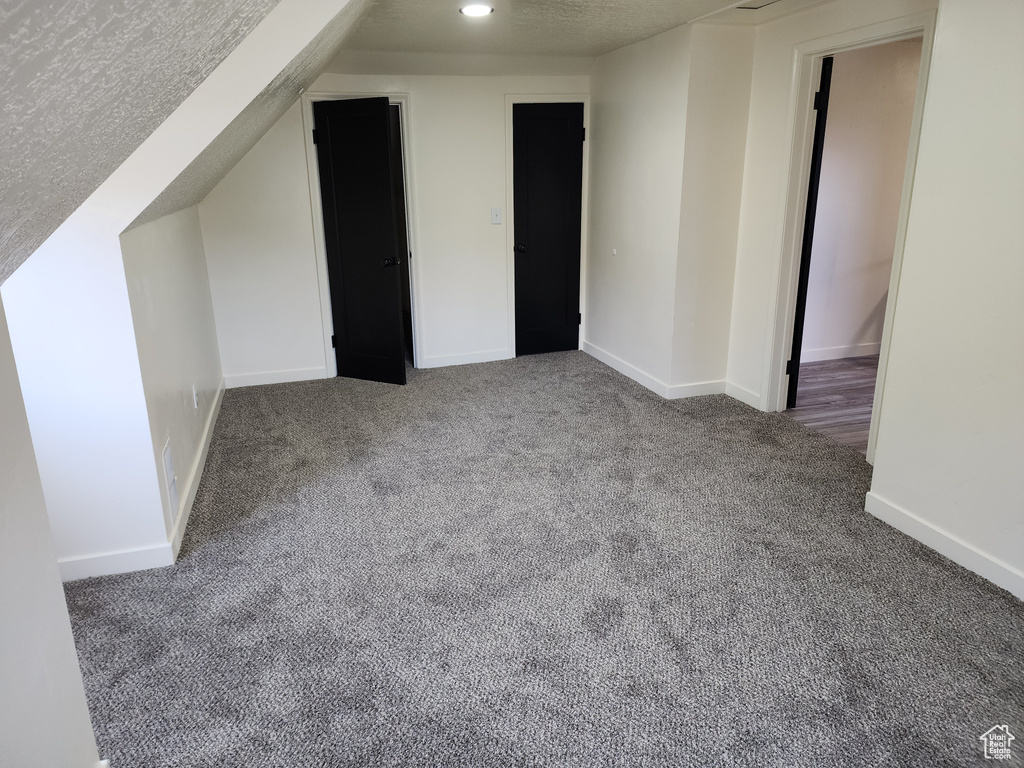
column 476, row 10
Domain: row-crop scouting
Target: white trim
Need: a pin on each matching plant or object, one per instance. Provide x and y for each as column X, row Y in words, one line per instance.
column 316, row 207
column 743, row 394
column 839, row 353
column 196, row 474
column 656, row 385
column 698, row 389
column 486, row 356
column 945, row 543
column 234, row 380
column 123, row 561
column 807, row 58
column 626, row 369
column 510, row 221
column 103, row 764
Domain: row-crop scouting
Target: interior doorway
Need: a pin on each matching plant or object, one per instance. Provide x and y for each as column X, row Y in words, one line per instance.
column 547, row 151
column 864, row 109
column 362, row 189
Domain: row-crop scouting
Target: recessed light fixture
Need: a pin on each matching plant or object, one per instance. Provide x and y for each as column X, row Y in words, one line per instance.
column 476, row 10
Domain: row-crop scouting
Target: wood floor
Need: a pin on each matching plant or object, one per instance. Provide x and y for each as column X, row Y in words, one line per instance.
column 835, row 397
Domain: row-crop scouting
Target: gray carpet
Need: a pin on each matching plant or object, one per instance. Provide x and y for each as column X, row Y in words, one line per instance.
column 539, row 563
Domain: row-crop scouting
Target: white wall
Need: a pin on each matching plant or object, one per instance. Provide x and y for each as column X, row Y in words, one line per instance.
column 257, row 225
column 769, row 150
column 169, row 291
column 951, row 424
column 871, row 107
column 638, row 118
column 258, row 234
column 718, row 100
column 71, row 328
column 44, row 720
column 669, row 117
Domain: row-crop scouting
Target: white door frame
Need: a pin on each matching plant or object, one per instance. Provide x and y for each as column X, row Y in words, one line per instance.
column 316, row 204
column 806, row 73
column 510, row 221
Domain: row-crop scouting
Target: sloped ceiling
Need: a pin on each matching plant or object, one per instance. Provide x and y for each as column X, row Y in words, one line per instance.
column 203, row 173
column 84, row 83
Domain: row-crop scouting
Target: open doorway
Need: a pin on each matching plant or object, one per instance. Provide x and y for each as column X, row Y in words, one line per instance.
column 864, row 111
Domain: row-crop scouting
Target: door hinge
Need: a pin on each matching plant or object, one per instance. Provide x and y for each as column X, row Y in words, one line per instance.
column 790, row 367
column 817, row 100
column 333, row 345
column 584, row 133
column 579, row 318
column 314, row 136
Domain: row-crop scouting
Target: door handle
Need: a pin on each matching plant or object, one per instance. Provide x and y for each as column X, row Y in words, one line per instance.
column 390, row 262
column 521, row 249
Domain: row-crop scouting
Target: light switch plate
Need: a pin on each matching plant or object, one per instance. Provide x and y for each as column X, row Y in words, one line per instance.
column 495, row 215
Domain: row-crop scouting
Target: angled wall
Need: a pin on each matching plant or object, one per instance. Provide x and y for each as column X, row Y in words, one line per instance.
column 70, row 313
column 669, row 127
column 638, row 119
column 718, row 100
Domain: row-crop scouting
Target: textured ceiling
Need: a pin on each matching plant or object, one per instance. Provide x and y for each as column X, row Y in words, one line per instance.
column 203, row 173
column 84, row 83
column 563, row 27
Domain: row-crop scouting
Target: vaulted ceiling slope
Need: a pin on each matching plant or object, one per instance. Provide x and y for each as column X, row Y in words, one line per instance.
column 84, row 83
column 221, row 155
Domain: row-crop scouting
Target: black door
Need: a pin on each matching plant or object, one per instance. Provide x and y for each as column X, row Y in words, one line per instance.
column 547, row 152
column 353, row 142
column 821, row 107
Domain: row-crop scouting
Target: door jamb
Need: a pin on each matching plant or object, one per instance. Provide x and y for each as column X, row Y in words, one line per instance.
column 316, row 205
column 510, row 223
column 806, row 73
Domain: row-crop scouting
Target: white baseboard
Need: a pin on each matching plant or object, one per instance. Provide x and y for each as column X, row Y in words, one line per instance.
column 626, row 369
column 196, row 474
column 123, row 561
column 231, row 381
column 680, row 391
column 945, row 543
column 743, row 394
column 839, row 353
column 486, row 356
column 158, row 555
column 103, row 764
column 659, row 387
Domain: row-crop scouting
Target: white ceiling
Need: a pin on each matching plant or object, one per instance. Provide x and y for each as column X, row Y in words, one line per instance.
column 525, row 27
